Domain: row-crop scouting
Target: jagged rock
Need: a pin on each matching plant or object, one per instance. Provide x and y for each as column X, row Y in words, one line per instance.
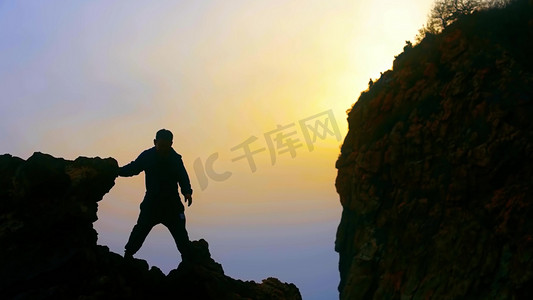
column 49, row 248
column 435, row 174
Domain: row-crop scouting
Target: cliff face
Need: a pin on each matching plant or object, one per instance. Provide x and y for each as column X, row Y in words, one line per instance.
column 435, row 174
column 49, row 250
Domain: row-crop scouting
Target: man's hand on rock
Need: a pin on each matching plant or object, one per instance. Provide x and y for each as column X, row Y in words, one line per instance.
column 116, row 171
column 188, row 199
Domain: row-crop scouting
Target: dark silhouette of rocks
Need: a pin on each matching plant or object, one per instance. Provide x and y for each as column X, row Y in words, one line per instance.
column 49, row 250
column 435, row 174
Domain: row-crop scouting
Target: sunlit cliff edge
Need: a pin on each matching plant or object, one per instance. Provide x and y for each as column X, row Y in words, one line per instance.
column 49, row 247
column 435, row 175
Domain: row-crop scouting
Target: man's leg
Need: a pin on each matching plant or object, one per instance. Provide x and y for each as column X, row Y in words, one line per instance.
column 176, row 226
column 145, row 223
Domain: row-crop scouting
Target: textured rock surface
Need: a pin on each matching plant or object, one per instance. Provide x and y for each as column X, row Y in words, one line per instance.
column 49, row 251
column 435, row 174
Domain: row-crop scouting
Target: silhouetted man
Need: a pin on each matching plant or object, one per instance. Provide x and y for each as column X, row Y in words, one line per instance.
column 164, row 170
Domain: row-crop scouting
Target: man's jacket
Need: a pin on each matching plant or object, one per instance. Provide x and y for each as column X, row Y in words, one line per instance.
column 162, row 175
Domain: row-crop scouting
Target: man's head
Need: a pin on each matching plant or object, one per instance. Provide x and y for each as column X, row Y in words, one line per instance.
column 163, row 141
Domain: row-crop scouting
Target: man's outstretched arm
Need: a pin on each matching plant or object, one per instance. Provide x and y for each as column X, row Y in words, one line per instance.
column 133, row 168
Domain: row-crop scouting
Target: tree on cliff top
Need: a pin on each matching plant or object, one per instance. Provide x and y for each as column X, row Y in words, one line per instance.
column 445, row 12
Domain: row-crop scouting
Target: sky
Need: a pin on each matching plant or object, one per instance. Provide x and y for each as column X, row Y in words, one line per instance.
column 255, row 92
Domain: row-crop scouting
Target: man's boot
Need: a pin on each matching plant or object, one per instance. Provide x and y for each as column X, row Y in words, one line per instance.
column 128, row 255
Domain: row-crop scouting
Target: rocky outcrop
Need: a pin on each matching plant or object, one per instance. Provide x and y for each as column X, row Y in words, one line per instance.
column 49, row 251
column 435, row 174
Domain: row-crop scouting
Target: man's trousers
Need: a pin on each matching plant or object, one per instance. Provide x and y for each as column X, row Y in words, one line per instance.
column 170, row 216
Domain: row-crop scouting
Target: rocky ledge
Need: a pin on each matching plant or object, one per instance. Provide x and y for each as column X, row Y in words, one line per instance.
column 49, row 250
